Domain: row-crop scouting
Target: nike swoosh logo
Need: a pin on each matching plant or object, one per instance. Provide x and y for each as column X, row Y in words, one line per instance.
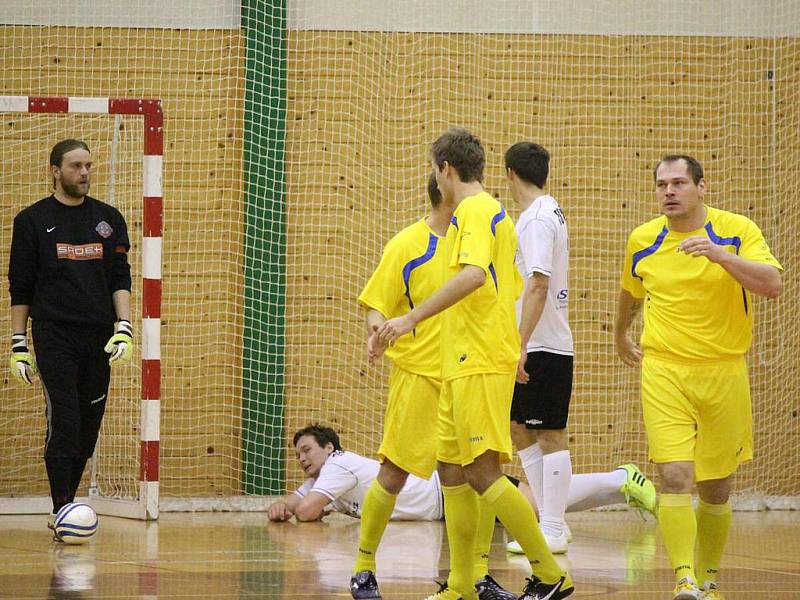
column 49, row 229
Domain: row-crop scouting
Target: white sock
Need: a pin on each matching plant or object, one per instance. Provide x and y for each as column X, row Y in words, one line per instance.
column 531, row 459
column 556, row 476
column 590, row 490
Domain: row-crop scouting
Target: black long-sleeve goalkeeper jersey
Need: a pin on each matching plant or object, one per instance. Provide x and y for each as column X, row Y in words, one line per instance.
column 67, row 261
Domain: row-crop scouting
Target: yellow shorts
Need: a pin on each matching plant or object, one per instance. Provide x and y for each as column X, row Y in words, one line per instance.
column 698, row 412
column 409, row 425
column 475, row 416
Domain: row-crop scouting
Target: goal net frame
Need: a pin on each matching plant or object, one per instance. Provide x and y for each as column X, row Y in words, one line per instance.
column 146, row 505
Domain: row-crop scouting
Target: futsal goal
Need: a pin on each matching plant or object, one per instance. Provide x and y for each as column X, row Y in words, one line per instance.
column 126, row 138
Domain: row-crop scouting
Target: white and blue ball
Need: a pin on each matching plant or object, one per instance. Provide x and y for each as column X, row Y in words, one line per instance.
column 75, row 523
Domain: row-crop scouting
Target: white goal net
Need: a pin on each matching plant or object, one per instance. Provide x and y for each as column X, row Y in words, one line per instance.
column 295, row 145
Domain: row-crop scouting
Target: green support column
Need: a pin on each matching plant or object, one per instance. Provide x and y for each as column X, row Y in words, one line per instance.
column 263, row 360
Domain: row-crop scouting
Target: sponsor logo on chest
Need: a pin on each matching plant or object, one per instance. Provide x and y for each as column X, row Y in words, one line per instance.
column 92, row 251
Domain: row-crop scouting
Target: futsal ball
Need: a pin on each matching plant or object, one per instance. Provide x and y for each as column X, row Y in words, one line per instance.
column 76, row 523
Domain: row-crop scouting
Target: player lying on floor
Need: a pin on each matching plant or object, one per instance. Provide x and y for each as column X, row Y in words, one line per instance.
column 337, row 480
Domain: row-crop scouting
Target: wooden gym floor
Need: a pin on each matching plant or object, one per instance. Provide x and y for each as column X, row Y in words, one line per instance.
column 241, row 555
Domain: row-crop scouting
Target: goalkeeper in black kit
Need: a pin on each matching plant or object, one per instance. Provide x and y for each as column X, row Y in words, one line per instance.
column 69, row 273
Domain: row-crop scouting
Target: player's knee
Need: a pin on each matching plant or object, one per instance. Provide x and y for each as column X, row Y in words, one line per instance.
column 481, row 476
column 477, row 480
column 521, row 436
column 715, row 491
column 451, row 474
column 676, row 478
column 391, row 477
column 552, row 440
column 62, row 443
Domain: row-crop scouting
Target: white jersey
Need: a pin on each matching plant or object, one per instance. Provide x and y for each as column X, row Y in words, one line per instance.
column 544, row 248
column 345, row 478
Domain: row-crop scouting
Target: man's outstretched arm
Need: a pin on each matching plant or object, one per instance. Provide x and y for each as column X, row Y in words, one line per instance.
column 469, row 279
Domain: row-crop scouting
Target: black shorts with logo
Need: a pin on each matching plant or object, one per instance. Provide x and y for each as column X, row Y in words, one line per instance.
column 543, row 402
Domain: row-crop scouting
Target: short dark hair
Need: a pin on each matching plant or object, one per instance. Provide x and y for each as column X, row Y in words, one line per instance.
column 64, row 146
column 321, row 433
column 463, row 151
column 694, row 166
column 434, row 193
column 531, row 162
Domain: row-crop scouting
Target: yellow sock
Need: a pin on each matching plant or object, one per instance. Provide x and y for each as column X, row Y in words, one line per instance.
column 483, row 539
column 678, row 527
column 460, row 518
column 713, row 523
column 375, row 514
column 517, row 516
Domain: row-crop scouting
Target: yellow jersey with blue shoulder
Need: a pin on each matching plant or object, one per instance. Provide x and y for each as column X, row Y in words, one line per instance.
column 479, row 333
column 693, row 308
column 410, row 270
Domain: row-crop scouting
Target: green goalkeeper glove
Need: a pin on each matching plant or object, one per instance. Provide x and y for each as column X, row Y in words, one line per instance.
column 21, row 361
column 119, row 345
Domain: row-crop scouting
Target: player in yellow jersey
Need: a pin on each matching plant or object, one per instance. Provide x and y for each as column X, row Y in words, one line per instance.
column 694, row 268
column 480, row 350
column 411, row 270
